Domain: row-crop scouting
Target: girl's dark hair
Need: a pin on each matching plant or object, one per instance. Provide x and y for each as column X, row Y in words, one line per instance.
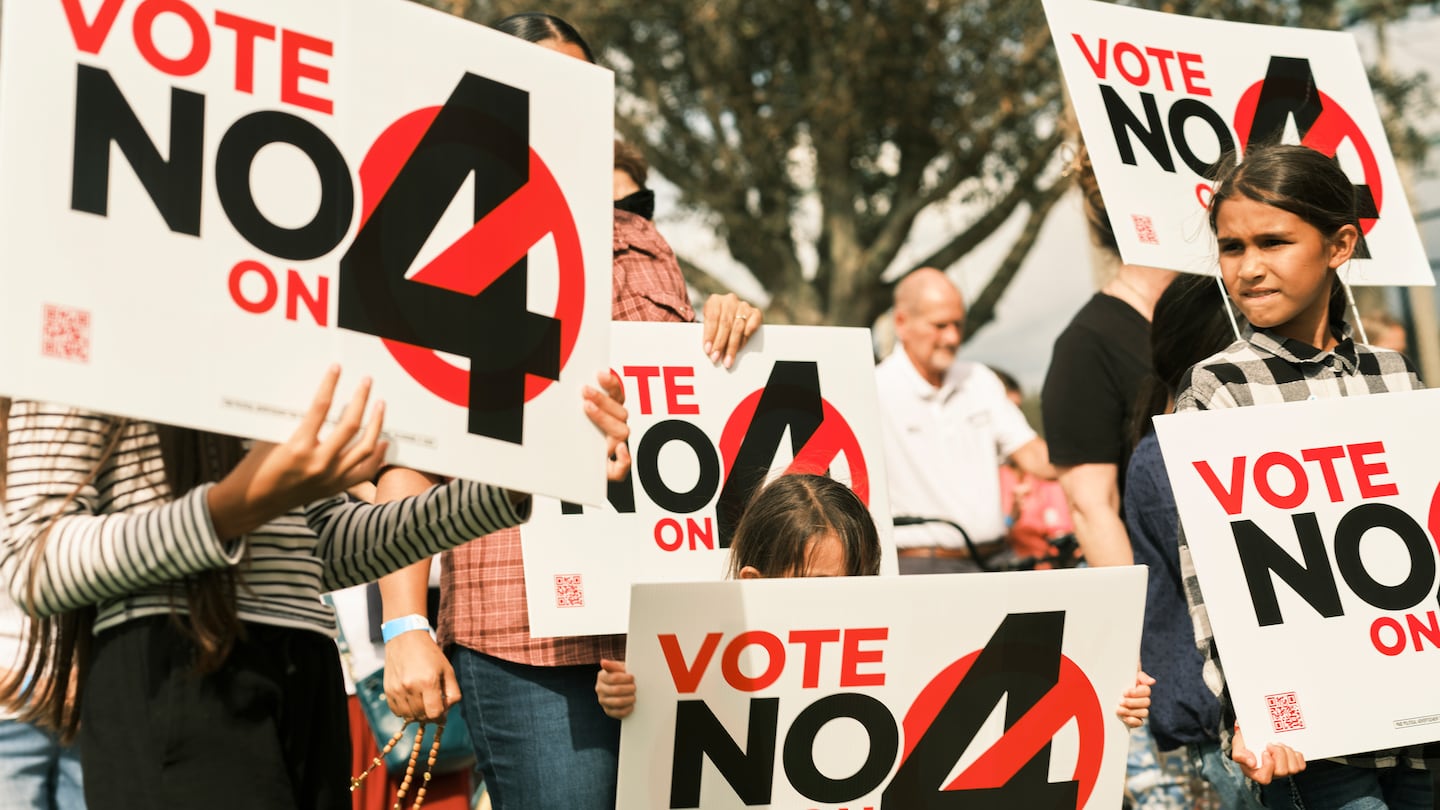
column 192, row 458
column 1298, row 179
column 537, row 26
column 1188, row 326
column 775, row 531
column 46, row 687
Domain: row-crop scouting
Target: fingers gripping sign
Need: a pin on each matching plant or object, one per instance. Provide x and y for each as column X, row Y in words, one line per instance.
column 615, row 689
column 1277, row 760
column 272, row 479
column 729, row 324
column 606, row 409
column 1135, row 702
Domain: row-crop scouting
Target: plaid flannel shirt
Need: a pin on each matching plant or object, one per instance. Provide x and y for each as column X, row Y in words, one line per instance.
column 485, row 606
column 1262, row 369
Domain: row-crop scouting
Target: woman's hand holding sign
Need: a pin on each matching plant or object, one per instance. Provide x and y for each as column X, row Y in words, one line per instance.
column 606, row 408
column 273, row 478
column 729, row 324
column 1276, row 761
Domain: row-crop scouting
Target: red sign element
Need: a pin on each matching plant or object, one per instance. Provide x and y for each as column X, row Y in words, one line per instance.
column 1072, row 696
column 483, row 254
column 1433, row 521
column 834, row 436
column 1331, row 128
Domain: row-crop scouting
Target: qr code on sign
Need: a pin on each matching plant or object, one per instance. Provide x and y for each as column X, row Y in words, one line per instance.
column 66, row 334
column 1285, row 712
column 569, row 591
column 1144, row 229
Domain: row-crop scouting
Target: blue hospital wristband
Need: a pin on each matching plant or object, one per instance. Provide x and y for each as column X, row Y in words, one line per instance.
column 404, row 624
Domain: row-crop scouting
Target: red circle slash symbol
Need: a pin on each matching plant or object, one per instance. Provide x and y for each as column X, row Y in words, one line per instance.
column 833, row 438
column 474, row 261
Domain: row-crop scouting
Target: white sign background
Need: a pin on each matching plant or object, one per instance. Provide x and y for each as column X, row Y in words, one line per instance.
column 930, row 622
column 1322, row 661
column 609, row 550
column 1221, row 60
column 166, row 341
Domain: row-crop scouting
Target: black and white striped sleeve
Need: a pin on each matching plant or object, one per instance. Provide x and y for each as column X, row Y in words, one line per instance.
column 66, row 548
column 362, row 542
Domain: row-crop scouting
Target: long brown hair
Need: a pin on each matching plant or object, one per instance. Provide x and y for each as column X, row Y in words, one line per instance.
column 47, row 687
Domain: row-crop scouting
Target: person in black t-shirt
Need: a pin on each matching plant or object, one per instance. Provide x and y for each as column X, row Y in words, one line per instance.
column 1091, row 387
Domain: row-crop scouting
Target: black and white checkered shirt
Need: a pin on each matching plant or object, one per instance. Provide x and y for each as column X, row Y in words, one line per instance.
column 1261, row 369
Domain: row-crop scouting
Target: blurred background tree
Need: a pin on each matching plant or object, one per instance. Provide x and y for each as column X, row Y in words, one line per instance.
column 812, row 134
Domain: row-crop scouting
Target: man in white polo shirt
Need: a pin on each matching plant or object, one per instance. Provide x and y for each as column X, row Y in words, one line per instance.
column 947, row 426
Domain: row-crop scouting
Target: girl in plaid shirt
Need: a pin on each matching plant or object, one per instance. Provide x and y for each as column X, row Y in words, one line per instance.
column 1284, row 222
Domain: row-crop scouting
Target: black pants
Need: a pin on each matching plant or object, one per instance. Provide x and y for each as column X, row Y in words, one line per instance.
column 268, row 731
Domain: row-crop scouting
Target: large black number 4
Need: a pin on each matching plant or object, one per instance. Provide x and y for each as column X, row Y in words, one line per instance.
column 1021, row 661
column 484, row 130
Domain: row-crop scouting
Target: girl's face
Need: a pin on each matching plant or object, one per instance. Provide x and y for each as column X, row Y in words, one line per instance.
column 824, row 557
column 1278, row 268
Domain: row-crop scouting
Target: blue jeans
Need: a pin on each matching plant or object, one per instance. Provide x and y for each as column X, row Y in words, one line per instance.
column 36, row 771
column 1325, row 785
column 540, row 737
column 1231, row 788
column 1149, row 783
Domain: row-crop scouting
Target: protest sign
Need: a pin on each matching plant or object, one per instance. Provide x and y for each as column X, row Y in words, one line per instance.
column 1161, row 97
column 207, row 203
column 1312, row 528
column 703, row 438
column 895, row 693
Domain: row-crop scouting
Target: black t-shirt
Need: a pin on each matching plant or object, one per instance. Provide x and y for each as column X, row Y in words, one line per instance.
column 1094, row 378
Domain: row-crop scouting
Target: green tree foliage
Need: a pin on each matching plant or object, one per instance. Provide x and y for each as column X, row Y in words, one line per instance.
column 812, row 134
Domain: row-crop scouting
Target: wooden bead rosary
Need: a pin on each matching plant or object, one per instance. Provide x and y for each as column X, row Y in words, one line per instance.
column 409, row 767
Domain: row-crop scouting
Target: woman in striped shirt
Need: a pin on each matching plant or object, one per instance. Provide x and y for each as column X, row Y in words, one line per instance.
column 178, row 576
column 1284, row 222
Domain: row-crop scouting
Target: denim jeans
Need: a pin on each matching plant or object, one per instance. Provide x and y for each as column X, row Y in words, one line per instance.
column 540, row 737
column 36, row 771
column 1149, row 783
column 1325, row 785
column 1228, row 785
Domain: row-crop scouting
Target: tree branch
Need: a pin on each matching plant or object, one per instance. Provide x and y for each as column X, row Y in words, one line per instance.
column 982, row 310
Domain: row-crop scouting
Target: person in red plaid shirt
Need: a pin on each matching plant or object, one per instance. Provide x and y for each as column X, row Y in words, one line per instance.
column 540, row 738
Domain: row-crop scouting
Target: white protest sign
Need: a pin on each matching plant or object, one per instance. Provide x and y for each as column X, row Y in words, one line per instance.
column 1161, row 97
column 207, row 203
column 968, row 690
column 1308, row 525
column 799, row 399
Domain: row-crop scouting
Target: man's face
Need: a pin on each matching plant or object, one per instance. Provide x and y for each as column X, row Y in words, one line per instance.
column 931, row 333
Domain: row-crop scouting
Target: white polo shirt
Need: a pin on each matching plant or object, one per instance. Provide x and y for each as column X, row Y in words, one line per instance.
column 943, row 447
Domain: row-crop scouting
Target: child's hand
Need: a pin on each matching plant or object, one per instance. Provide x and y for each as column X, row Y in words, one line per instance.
column 272, row 479
column 606, row 408
column 615, row 689
column 1135, row 703
column 1276, row 761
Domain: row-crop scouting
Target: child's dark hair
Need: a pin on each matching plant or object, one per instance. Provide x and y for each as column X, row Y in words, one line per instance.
column 537, row 26
column 775, row 531
column 1298, row 179
column 1189, row 325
